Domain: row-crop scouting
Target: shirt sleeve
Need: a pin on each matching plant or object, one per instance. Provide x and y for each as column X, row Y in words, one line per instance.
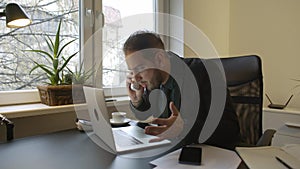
column 141, row 112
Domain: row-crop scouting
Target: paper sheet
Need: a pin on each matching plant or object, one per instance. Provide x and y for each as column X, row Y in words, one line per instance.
column 293, row 149
column 265, row 157
column 212, row 157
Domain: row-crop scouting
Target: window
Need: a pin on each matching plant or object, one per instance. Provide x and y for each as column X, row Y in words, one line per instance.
column 82, row 19
column 16, row 85
column 15, row 63
column 115, row 11
column 120, row 18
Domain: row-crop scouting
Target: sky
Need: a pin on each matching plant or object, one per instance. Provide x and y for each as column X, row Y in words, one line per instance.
column 130, row 7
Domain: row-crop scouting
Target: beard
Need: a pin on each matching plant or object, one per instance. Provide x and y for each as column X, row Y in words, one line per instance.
column 155, row 81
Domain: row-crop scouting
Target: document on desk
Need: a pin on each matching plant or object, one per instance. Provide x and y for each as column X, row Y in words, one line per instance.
column 293, row 149
column 212, row 157
column 269, row 157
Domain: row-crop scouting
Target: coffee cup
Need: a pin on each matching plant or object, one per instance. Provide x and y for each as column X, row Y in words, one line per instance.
column 118, row 117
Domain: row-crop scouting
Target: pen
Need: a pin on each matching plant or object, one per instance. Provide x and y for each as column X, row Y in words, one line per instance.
column 284, row 163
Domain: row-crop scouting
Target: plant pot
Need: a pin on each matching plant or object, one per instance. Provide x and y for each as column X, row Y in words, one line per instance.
column 61, row 94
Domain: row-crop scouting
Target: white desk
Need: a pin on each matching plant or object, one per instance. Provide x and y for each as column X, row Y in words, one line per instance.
column 265, row 157
column 212, row 157
column 286, row 122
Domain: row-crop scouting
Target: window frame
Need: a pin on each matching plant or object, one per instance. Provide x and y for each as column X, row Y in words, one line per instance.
column 161, row 6
column 17, row 97
column 32, row 96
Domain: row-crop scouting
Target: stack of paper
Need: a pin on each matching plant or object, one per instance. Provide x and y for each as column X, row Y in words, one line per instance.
column 212, row 157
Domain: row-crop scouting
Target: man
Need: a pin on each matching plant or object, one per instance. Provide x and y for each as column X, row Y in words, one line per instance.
column 176, row 92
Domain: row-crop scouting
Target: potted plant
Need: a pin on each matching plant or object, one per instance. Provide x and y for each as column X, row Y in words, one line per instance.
column 79, row 76
column 58, row 91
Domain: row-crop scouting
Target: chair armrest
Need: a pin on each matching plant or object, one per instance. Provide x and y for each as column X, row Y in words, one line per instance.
column 9, row 127
column 266, row 138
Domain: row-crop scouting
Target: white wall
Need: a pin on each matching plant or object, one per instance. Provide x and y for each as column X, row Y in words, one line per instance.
column 269, row 28
column 212, row 17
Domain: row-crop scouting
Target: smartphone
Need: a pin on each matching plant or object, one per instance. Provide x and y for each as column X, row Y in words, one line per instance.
column 135, row 86
column 190, row 155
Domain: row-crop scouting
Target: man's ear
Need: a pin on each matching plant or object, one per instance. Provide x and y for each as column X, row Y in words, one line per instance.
column 160, row 60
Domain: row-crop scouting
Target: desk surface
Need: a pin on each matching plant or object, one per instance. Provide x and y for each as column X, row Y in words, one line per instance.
column 63, row 150
column 70, row 149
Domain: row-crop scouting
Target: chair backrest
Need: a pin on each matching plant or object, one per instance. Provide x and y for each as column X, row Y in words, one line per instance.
column 245, row 84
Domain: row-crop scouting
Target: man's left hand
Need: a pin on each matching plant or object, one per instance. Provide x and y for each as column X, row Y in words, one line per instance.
column 167, row 128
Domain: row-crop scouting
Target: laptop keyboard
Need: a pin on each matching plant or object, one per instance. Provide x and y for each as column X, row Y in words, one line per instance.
column 124, row 139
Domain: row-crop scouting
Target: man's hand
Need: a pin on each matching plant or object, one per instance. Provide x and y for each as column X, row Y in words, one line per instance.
column 168, row 128
column 134, row 95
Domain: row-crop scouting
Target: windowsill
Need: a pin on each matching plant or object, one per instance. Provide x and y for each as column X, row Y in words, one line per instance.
column 35, row 109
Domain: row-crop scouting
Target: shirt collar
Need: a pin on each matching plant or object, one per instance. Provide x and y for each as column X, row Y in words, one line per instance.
column 169, row 84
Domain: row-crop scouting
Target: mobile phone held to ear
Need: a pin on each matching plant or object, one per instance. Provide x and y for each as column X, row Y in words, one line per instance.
column 190, row 155
column 135, row 86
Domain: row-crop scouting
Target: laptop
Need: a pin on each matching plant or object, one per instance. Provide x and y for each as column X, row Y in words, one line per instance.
column 121, row 139
column 278, row 106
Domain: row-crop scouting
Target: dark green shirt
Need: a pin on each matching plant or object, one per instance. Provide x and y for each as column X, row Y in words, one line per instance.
column 194, row 103
column 157, row 107
column 172, row 92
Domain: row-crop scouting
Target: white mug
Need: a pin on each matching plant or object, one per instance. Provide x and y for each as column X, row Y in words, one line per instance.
column 118, row 117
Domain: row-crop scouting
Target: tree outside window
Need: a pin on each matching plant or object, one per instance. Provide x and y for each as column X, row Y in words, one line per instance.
column 15, row 63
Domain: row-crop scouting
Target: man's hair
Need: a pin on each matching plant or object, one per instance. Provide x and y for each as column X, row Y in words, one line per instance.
column 142, row 40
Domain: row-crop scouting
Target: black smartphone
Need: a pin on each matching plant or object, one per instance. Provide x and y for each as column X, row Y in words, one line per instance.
column 190, row 155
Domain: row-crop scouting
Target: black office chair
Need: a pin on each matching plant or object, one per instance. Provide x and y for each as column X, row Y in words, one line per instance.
column 245, row 83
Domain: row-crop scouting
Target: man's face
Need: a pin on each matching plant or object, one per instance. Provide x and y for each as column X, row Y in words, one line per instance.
column 144, row 71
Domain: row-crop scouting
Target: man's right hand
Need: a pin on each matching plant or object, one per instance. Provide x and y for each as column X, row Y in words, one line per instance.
column 134, row 95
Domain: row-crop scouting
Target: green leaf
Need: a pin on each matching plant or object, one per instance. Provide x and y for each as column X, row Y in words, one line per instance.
column 64, row 47
column 43, row 67
column 55, row 63
column 56, row 45
column 67, row 61
column 49, row 43
column 54, row 80
column 35, row 67
column 42, row 52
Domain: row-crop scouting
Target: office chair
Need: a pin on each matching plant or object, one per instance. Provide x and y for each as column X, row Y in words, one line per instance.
column 245, row 83
column 9, row 127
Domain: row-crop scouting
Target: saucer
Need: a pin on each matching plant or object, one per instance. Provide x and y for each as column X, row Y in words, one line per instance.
column 126, row 121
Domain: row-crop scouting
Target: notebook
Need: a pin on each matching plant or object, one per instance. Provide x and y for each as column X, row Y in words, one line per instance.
column 121, row 139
